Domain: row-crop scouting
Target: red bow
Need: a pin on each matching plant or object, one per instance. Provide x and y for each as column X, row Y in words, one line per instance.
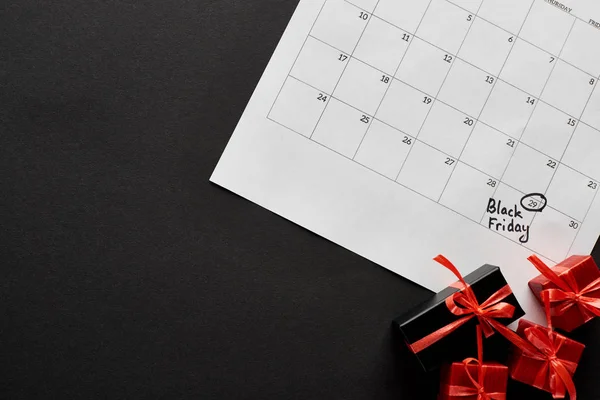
column 465, row 305
column 568, row 293
column 555, row 371
column 477, row 388
column 543, row 344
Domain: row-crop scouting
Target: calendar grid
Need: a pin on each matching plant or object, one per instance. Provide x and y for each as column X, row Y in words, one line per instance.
column 496, row 79
column 534, row 108
column 584, row 218
column 489, row 22
column 488, row 97
column 409, row 188
column 563, row 155
column 448, row 105
column 297, row 56
column 371, row 116
column 393, row 77
column 435, row 99
column 538, row 100
column 526, row 41
column 344, row 69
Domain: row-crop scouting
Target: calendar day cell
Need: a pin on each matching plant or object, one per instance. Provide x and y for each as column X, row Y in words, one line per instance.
column 583, row 48
column 528, row 67
column 384, row 149
column 362, row 86
column 498, row 217
column 426, row 170
column 529, row 170
column 547, row 27
column 507, row 14
column 447, row 129
column 468, row 191
column 571, row 192
column 568, row 89
column 299, row 107
column 488, row 150
column 591, row 115
column 382, row 45
column 466, row 88
column 405, row 14
column 341, row 128
column 486, row 46
column 549, row 130
column 469, row 5
column 340, row 25
column 404, row 108
column 367, row 5
column 583, row 152
column 508, row 109
column 319, row 65
column 445, row 25
column 552, row 233
column 425, row 66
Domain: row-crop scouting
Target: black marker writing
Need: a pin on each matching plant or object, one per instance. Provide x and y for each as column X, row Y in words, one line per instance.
column 506, row 219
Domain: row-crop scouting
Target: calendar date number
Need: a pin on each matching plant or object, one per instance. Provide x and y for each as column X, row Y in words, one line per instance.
column 573, row 224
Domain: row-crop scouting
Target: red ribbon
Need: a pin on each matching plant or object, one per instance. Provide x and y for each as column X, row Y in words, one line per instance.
column 568, row 294
column 477, row 388
column 542, row 344
column 465, row 305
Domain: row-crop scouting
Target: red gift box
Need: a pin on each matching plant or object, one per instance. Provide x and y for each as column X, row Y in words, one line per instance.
column 473, row 379
column 547, row 362
column 461, row 381
column 573, row 287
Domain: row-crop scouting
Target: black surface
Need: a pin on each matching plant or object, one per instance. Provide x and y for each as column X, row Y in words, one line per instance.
column 433, row 314
column 125, row 273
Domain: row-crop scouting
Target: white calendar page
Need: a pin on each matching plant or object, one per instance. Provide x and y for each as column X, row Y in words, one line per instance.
column 401, row 129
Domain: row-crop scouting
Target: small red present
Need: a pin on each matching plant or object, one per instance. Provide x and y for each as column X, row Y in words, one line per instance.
column 474, row 381
column 573, row 287
column 547, row 360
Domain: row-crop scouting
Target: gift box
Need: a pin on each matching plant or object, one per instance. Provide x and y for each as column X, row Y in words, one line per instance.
column 574, row 289
column 440, row 330
column 462, row 381
column 552, row 362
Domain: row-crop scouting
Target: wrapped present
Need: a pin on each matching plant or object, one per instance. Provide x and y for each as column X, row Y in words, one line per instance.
column 441, row 329
column 550, row 364
column 474, row 379
column 574, row 289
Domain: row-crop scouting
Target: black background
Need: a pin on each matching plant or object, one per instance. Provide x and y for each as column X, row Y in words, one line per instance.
column 125, row 273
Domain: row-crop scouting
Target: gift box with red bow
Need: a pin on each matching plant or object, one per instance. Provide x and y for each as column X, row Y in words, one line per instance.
column 471, row 381
column 440, row 330
column 573, row 287
column 545, row 359
column 474, row 379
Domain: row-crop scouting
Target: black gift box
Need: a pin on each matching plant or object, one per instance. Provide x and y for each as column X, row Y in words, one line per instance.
column 433, row 314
